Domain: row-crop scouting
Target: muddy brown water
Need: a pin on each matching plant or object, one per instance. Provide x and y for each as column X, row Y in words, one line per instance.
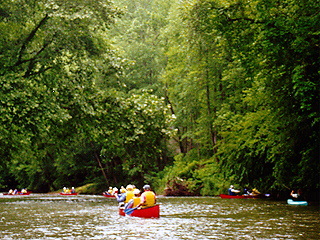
column 43, row 216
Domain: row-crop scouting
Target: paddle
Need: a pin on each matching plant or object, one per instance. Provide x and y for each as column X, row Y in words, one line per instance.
column 128, row 211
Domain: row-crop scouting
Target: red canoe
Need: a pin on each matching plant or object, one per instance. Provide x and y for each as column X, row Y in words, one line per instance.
column 231, row 196
column 239, row 196
column 150, row 212
column 109, row 196
column 69, row 194
column 18, row 194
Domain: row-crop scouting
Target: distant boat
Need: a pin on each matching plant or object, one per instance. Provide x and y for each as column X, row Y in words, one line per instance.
column 17, row 194
column 241, row 196
column 108, row 195
column 69, row 194
column 298, row 203
column 150, row 212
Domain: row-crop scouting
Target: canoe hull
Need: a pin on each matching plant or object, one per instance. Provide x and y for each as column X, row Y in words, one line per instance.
column 231, row 196
column 109, row 196
column 18, row 194
column 69, row 194
column 297, row 203
column 239, row 196
column 150, row 212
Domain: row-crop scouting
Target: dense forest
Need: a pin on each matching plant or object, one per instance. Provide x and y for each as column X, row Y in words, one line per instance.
column 189, row 96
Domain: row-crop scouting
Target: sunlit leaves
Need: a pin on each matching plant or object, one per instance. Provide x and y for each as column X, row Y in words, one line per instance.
column 51, row 61
column 137, row 36
column 264, row 88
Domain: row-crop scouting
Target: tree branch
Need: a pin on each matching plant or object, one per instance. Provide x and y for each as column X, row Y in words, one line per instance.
column 35, row 56
column 29, row 38
column 30, row 73
column 32, row 62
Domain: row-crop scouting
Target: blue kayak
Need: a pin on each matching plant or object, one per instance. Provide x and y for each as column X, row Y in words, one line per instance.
column 301, row 203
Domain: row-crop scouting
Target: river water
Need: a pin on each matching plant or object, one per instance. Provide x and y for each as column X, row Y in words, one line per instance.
column 44, row 216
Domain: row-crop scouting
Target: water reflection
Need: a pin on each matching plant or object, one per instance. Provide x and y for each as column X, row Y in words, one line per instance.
column 96, row 217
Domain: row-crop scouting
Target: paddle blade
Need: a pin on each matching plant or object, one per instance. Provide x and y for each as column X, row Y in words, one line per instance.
column 128, row 211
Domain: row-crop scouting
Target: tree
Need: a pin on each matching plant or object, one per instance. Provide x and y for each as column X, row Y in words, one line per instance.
column 256, row 80
column 53, row 53
column 137, row 36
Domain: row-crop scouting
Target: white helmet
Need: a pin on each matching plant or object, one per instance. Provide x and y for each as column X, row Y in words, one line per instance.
column 136, row 191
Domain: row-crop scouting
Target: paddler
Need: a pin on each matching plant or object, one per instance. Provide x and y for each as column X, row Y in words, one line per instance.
column 255, row 192
column 110, row 191
column 122, row 189
column 127, row 196
column 297, row 196
column 233, row 191
column 135, row 201
column 148, row 197
column 129, row 193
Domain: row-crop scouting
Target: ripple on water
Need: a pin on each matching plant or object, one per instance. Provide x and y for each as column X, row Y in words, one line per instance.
column 94, row 217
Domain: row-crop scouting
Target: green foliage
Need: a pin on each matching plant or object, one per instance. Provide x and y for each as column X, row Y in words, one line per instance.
column 198, row 176
column 137, row 36
column 241, row 81
column 180, row 172
column 140, row 139
column 63, row 119
column 213, row 180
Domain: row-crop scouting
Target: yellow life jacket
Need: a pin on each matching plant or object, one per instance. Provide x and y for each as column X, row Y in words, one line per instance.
column 136, row 201
column 129, row 196
column 150, row 199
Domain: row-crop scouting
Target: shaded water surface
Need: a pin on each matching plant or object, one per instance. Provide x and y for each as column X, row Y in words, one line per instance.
column 96, row 217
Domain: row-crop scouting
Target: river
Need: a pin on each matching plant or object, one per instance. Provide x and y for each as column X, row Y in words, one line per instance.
column 44, row 216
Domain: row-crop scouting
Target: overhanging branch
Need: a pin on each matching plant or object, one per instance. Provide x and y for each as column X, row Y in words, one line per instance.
column 29, row 39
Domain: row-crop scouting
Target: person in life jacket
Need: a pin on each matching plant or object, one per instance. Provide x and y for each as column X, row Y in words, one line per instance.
column 255, row 192
column 135, row 201
column 24, row 190
column 148, row 197
column 126, row 196
column 129, row 193
column 122, row 189
column 109, row 192
column 232, row 191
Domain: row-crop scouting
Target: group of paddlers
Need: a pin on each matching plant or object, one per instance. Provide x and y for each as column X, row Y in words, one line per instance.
column 68, row 191
column 294, row 195
column 16, row 192
column 246, row 192
column 131, row 197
